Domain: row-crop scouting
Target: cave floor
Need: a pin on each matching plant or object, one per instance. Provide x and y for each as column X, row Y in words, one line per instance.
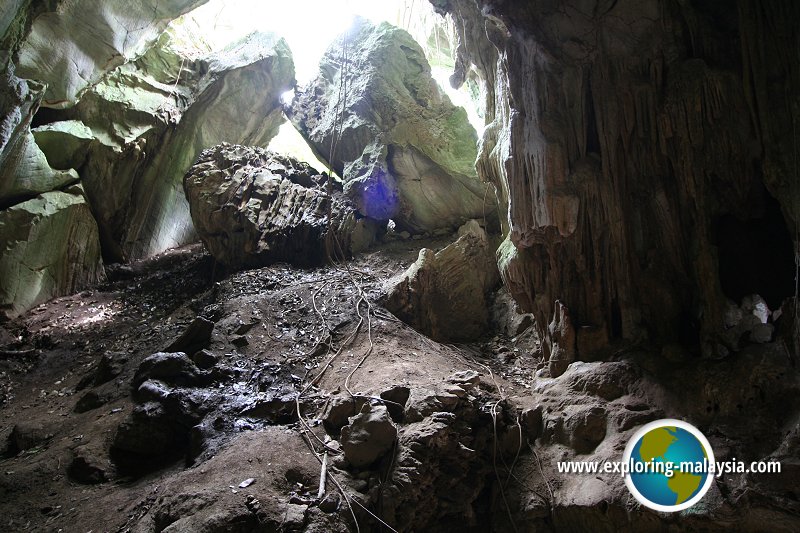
column 269, row 321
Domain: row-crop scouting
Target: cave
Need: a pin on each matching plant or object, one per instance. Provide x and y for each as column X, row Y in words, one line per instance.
column 409, row 265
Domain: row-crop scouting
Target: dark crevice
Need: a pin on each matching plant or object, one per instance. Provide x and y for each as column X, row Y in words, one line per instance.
column 46, row 115
column 756, row 253
column 592, row 134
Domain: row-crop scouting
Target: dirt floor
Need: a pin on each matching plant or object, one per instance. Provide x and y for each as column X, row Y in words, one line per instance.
column 75, row 456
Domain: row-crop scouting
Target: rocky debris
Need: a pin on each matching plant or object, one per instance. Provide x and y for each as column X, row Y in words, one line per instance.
column 110, row 365
column 295, row 517
column 338, row 410
column 506, row 318
column 423, row 402
column 396, row 399
column 405, row 152
column 205, row 359
column 752, row 322
column 27, row 435
column 208, row 498
column 442, row 467
column 168, row 407
column 445, row 294
column 252, row 207
column 89, row 466
column 91, row 400
column 171, row 368
column 195, row 337
column 50, row 248
column 369, row 436
column 153, row 435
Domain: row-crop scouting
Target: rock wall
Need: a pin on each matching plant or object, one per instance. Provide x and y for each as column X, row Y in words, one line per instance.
column 620, row 135
column 131, row 112
column 50, row 248
column 69, row 46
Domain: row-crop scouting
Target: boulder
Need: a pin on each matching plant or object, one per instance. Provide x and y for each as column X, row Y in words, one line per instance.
column 369, row 436
column 172, row 368
column 194, row 338
column 253, row 207
column 50, row 248
column 405, row 152
column 445, row 295
column 90, row 465
column 27, row 435
column 237, row 100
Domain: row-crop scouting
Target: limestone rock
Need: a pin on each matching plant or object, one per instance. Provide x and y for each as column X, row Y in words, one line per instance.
column 70, row 47
column 243, row 81
column 369, row 436
column 506, row 316
column 50, row 248
column 339, row 408
column 561, row 341
column 406, row 153
column 195, row 337
column 65, row 143
column 445, row 294
column 24, row 169
column 619, row 166
column 253, row 207
column 150, row 120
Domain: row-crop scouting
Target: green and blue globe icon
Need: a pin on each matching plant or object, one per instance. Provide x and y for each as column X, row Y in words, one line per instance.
column 670, row 465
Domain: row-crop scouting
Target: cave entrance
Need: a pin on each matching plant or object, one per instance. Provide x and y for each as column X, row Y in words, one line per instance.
column 309, row 27
column 756, row 253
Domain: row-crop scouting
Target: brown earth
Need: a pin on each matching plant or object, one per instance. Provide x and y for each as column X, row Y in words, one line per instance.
column 269, row 336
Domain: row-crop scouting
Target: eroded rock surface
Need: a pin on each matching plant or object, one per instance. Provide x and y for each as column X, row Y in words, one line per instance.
column 445, row 294
column 405, row 152
column 50, row 248
column 638, row 149
column 24, row 169
column 71, row 45
column 252, row 207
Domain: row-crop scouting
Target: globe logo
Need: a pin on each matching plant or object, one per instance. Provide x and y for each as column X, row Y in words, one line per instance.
column 670, row 465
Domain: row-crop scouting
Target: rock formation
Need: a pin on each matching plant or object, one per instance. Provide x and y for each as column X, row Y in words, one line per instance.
column 445, row 294
column 49, row 247
column 134, row 112
column 252, row 207
column 632, row 142
column 69, row 46
column 236, row 100
column 405, row 152
column 150, row 119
